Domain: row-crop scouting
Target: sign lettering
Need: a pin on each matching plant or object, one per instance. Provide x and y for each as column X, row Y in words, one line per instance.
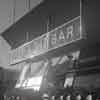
column 63, row 35
column 69, row 32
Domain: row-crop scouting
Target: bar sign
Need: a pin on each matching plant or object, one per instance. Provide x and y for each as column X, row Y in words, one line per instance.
column 65, row 34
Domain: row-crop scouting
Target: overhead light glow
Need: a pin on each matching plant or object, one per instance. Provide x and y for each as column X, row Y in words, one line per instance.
column 68, row 82
column 31, row 56
column 33, row 83
column 36, row 88
column 17, row 86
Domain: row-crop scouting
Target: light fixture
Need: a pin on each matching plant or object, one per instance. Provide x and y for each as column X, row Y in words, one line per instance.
column 34, row 83
column 68, row 82
column 18, row 85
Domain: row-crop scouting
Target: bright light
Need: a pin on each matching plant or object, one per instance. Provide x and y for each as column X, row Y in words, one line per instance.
column 75, row 55
column 34, row 83
column 36, row 88
column 24, row 83
column 31, row 83
column 68, row 82
column 17, row 85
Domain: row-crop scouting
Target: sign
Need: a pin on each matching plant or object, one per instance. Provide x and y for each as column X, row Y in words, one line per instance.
column 62, row 35
column 65, row 34
column 31, row 49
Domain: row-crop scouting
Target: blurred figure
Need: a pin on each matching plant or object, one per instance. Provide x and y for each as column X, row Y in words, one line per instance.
column 68, row 97
column 53, row 98
column 89, row 97
column 78, row 97
column 18, row 98
column 61, row 97
column 45, row 96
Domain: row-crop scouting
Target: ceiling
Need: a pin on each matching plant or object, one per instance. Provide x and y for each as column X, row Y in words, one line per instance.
column 12, row 10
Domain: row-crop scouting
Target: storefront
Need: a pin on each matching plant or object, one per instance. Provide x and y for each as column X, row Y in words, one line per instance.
column 48, row 57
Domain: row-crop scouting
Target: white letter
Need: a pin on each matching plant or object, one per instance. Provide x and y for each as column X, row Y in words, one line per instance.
column 69, row 32
column 61, row 36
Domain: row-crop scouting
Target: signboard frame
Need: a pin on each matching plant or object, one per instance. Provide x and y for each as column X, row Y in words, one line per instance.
column 42, row 44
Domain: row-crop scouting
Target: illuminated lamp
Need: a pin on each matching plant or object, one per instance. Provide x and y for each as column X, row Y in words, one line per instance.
column 45, row 96
column 68, row 97
column 18, row 85
column 68, row 82
column 34, row 83
column 89, row 97
column 31, row 56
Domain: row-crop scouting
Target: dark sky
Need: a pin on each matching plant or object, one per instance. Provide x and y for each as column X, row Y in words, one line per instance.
column 59, row 12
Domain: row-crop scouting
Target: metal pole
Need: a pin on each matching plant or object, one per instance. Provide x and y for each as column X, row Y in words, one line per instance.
column 29, row 5
column 81, row 17
column 14, row 10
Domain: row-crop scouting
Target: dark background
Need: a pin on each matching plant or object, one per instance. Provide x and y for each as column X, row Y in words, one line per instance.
column 35, row 22
column 56, row 12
